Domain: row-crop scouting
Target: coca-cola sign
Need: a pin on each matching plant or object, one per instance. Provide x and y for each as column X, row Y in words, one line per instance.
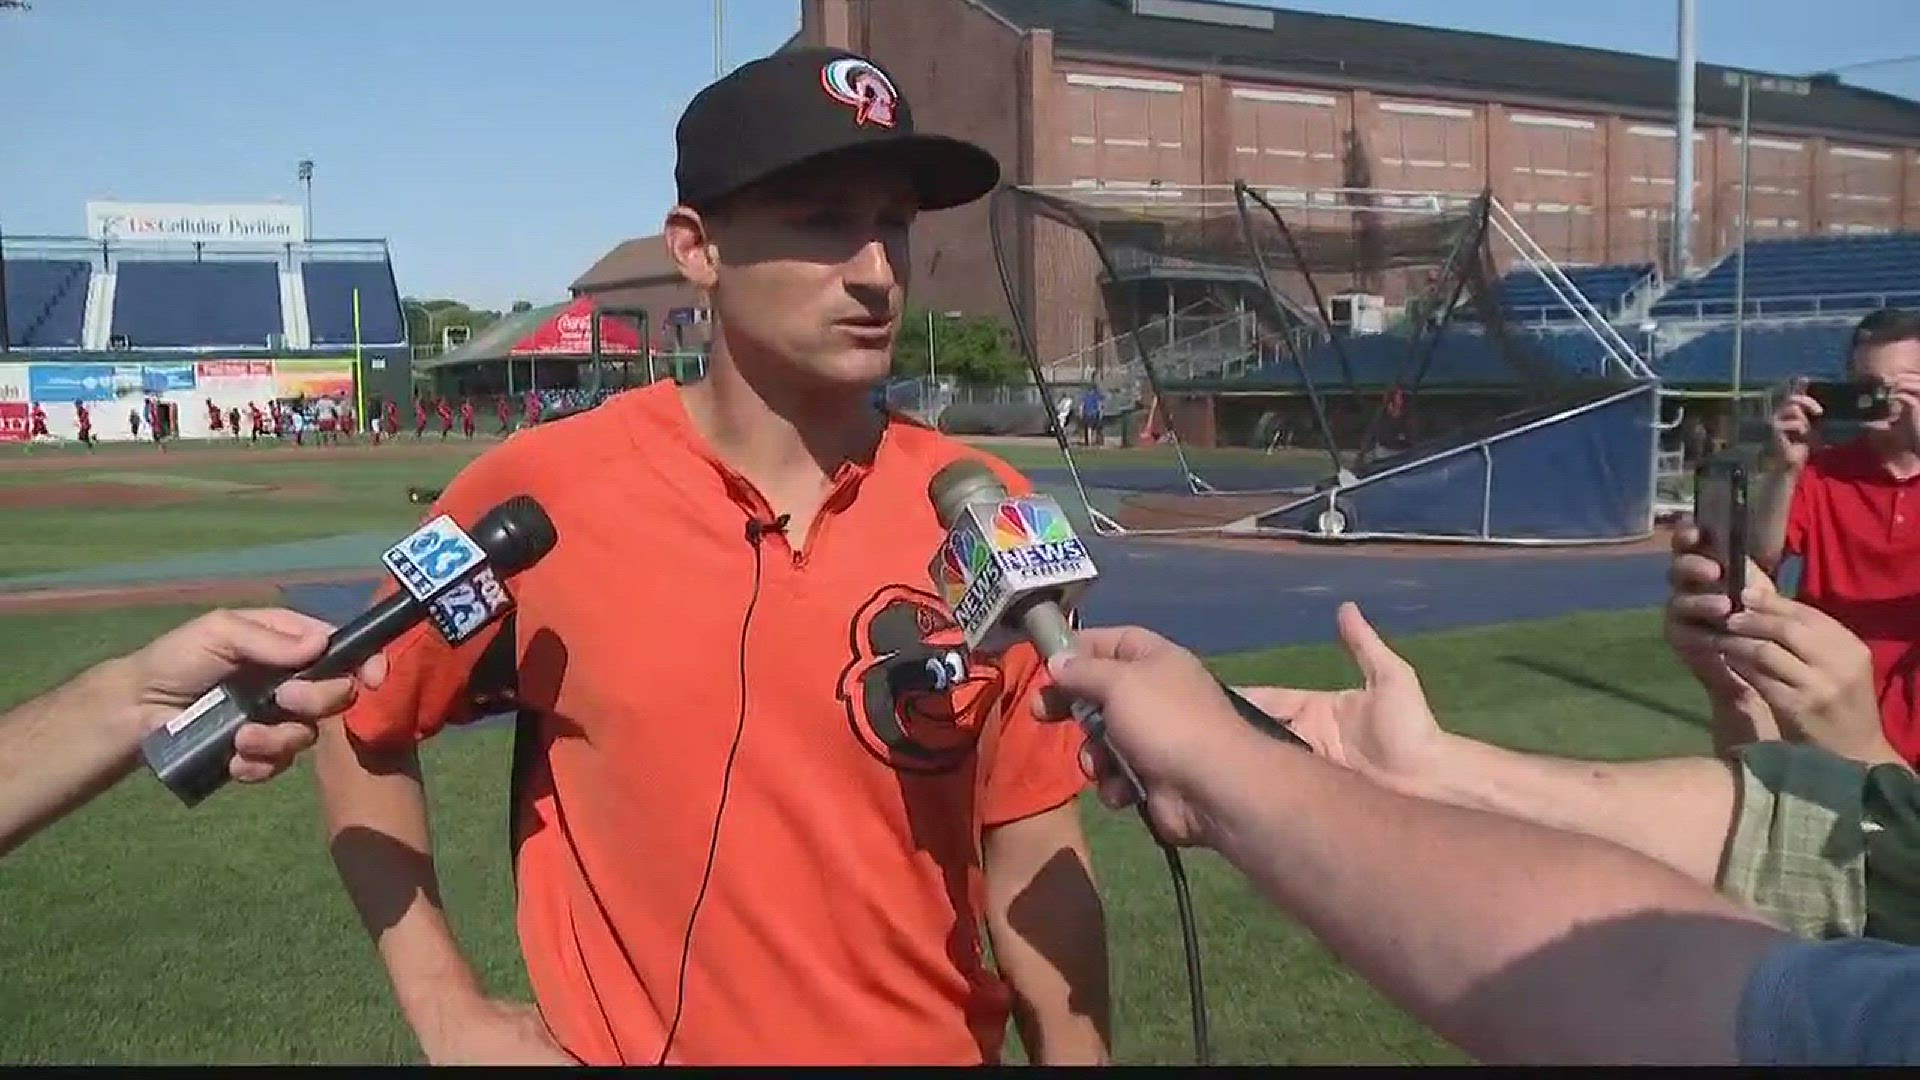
column 14, row 425
column 569, row 332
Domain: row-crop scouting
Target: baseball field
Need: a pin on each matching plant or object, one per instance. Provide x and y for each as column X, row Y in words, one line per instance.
column 137, row 931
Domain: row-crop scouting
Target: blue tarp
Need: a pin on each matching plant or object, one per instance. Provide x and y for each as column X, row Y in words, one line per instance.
column 1583, row 474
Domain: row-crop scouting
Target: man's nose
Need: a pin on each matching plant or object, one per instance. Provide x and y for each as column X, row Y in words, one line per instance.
column 874, row 268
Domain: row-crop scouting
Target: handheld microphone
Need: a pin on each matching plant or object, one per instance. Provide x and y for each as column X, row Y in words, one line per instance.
column 448, row 577
column 1011, row 563
column 1007, row 569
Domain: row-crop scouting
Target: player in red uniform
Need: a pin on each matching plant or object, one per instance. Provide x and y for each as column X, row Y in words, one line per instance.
column 346, row 421
column 419, row 418
column 390, row 419
column 37, row 418
column 466, row 417
column 504, row 411
column 256, row 422
column 213, row 416
column 533, row 408
column 84, row 420
column 445, row 409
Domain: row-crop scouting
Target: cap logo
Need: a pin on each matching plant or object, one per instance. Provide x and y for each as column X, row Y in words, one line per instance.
column 855, row 82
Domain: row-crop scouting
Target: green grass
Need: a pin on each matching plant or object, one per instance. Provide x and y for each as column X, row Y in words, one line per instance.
column 360, row 494
column 365, row 493
column 139, row 931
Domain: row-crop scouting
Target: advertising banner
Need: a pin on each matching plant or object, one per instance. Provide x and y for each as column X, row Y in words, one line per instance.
column 570, row 333
column 266, row 223
column 160, row 378
column 234, row 369
column 74, row 382
column 13, row 421
column 313, row 379
column 13, row 382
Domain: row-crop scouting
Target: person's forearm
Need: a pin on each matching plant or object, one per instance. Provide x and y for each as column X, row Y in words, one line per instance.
column 377, row 831
column 1516, row 942
column 1677, row 810
column 62, row 749
column 1772, row 499
column 1048, row 930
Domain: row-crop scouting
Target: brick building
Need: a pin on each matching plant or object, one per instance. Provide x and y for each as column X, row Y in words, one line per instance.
column 1113, row 94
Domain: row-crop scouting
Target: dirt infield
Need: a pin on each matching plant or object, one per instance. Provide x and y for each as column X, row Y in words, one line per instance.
column 147, row 457
column 120, row 495
column 1148, row 512
column 89, row 494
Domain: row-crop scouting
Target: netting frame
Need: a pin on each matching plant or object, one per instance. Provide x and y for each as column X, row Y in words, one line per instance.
column 1494, row 221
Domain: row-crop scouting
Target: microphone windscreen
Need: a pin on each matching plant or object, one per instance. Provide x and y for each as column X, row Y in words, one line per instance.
column 959, row 484
column 515, row 534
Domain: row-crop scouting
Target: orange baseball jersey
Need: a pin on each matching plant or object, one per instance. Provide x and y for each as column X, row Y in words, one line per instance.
column 843, row 921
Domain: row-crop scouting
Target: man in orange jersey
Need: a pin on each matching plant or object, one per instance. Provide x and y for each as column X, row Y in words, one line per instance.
column 765, row 799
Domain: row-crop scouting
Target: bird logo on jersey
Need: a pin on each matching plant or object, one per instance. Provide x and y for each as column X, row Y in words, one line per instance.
column 856, row 82
column 915, row 697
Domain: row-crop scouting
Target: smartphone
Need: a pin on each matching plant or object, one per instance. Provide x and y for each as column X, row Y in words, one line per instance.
column 1860, row 399
column 1720, row 511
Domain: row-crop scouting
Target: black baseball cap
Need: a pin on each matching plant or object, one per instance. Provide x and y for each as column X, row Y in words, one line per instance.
column 805, row 106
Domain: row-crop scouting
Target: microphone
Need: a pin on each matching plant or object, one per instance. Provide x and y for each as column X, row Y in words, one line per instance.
column 448, row 577
column 1007, row 569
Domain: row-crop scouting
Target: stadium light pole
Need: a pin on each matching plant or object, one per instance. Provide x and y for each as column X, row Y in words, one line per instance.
column 305, row 173
column 719, row 39
column 1740, row 267
column 1680, row 255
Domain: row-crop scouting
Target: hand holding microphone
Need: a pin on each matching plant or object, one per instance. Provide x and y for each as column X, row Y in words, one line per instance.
column 447, row 577
column 1008, row 567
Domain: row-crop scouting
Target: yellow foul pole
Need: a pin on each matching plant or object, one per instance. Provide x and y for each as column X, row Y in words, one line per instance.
column 359, row 373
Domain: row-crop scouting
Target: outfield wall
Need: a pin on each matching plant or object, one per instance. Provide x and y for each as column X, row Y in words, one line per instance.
column 111, row 391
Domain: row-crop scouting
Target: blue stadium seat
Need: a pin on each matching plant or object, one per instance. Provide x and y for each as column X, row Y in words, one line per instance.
column 1768, row 355
column 162, row 304
column 330, row 287
column 1800, row 276
column 1461, row 357
column 1525, row 297
column 46, row 302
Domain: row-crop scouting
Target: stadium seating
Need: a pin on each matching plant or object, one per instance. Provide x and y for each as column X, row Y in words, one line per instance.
column 1769, row 354
column 1525, row 297
column 173, row 304
column 1804, row 276
column 330, row 287
column 46, row 302
column 1461, row 357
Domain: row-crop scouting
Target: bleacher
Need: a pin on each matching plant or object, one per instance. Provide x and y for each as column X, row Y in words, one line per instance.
column 1525, row 297
column 1770, row 354
column 330, row 287
column 46, row 302
column 1799, row 277
column 1461, row 357
column 168, row 304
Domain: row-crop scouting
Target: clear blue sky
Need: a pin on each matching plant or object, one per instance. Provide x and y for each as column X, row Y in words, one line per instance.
column 503, row 147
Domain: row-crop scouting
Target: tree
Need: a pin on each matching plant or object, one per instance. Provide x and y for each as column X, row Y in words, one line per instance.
column 973, row 349
column 520, row 306
column 426, row 318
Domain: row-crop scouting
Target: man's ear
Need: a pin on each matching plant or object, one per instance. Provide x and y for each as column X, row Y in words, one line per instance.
column 691, row 247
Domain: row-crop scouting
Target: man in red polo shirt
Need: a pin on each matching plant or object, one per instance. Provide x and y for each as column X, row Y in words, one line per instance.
column 1851, row 512
column 767, row 802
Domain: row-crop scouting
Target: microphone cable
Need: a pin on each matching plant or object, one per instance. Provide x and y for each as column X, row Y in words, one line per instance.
column 756, row 531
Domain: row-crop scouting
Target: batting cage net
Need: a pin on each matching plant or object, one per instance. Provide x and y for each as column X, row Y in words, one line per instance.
column 1208, row 353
